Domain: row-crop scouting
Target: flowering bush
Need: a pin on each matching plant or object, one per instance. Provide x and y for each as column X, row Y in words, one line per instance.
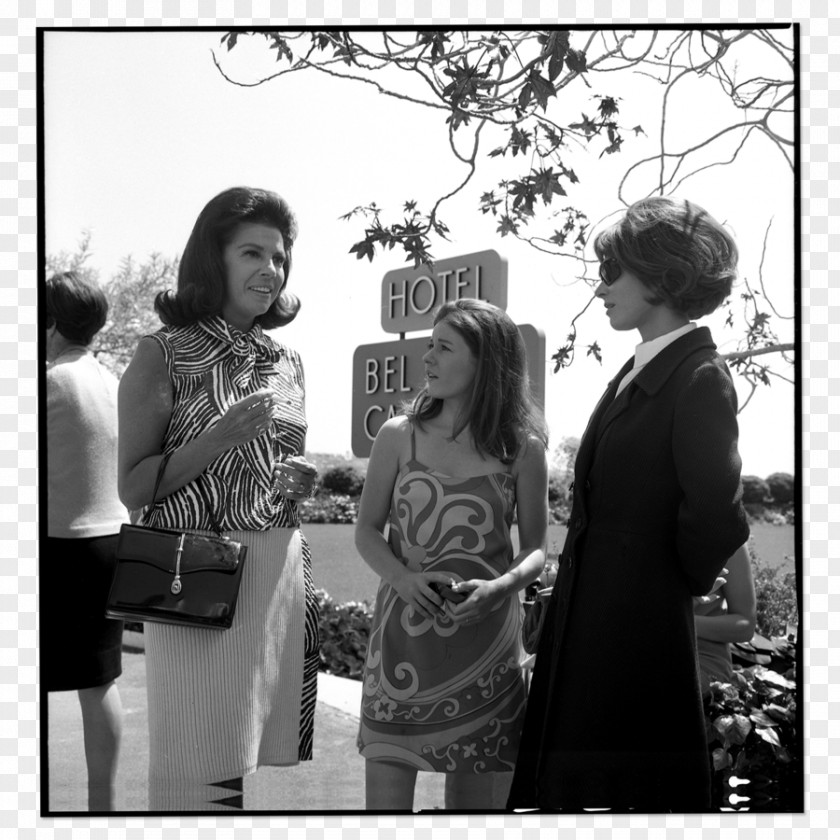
column 344, row 630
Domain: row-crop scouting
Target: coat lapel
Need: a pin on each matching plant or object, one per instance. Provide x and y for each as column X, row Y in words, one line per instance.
column 591, row 434
column 651, row 378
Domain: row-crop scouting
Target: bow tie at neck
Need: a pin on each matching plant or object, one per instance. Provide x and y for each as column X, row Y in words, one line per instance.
column 249, row 349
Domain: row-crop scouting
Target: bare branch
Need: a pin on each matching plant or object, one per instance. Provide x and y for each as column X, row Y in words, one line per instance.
column 757, row 351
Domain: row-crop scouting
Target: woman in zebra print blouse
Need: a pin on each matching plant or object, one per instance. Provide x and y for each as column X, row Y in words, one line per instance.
column 226, row 402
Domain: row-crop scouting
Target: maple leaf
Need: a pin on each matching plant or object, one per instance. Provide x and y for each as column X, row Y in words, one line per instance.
column 519, row 141
column 523, row 196
column 506, row 226
column 586, row 125
column 363, row 249
column 608, row 107
column 547, row 184
column 541, row 88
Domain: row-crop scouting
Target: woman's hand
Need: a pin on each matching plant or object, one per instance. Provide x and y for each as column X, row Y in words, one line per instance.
column 714, row 594
column 484, row 597
column 245, row 420
column 294, row 477
column 414, row 589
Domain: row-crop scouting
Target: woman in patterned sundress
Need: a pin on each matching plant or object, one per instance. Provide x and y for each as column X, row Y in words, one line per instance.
column 443, row 691
column 225, row 402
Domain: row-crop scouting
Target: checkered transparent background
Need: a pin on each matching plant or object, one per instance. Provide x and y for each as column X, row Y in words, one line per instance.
column 19, row 741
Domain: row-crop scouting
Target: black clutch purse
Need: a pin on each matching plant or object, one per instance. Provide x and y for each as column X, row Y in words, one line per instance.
column 176, row 577
column 535, row 613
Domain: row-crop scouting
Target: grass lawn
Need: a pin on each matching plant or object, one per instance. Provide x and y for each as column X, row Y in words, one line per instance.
column 337, row 567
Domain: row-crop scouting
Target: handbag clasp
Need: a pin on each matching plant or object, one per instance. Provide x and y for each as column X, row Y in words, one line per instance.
column 175, row 589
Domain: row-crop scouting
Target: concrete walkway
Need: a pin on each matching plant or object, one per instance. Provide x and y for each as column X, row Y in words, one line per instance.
column 332, row 781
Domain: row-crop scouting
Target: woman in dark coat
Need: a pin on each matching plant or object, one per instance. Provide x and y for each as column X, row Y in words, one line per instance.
column 614, row 718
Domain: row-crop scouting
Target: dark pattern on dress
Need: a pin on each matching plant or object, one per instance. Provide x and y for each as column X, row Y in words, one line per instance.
column 211, row 366
column 257, row 682
column 311, row 660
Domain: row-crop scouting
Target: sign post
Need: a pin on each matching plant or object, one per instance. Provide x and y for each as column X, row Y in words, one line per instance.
column 388, row 374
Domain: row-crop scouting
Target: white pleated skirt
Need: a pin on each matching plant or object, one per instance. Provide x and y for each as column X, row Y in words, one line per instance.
column 223, row 703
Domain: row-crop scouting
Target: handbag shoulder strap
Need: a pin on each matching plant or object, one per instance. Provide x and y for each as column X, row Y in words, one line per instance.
column 161, row 467
column 208, row 503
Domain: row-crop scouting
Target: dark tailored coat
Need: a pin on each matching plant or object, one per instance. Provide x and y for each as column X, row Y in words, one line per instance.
column 614, row 715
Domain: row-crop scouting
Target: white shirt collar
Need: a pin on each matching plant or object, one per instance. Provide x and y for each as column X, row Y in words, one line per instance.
column 648, row 349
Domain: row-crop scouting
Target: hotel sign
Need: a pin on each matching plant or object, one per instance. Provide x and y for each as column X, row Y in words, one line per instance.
column 410, row 296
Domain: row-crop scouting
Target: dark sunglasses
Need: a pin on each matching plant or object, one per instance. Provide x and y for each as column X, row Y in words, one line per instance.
column 609, row 271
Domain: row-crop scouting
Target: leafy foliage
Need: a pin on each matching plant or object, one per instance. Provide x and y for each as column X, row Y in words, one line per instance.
column 752, row 722
column 506, row 94
column 333, row 509
column 344, row 480
column 752, row 732
column 777, row 609
column 756, row 490
column 781, row 485
column 344, row 630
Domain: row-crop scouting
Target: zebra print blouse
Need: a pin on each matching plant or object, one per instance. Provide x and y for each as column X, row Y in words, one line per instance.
column 212, row 365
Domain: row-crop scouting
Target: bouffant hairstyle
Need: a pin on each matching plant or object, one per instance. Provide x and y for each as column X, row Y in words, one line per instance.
column 201, row 272
column 686, row 258
column 76, row 306
column 500, row 413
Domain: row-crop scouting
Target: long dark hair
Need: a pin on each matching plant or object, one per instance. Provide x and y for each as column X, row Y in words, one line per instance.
column 201, row 272
column 684, row 256
column 501, row 413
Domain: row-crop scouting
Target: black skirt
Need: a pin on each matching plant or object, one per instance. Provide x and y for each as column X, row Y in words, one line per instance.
column 80, row 648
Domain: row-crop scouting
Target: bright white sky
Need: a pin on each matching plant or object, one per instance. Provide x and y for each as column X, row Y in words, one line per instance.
column 141, row 131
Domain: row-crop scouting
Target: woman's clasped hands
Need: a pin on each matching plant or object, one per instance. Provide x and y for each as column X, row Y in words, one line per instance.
column 431, row 593
column 483, row 596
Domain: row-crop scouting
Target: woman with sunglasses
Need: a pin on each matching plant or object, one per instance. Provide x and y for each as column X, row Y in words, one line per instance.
column 615, row 718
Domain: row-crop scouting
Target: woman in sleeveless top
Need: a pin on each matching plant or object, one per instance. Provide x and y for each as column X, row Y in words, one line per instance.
column 225, row 403
column 84, row 515
column 443, row 691
column 726, row 615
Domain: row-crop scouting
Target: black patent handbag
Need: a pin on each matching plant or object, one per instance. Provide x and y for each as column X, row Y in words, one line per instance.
column 176, row 577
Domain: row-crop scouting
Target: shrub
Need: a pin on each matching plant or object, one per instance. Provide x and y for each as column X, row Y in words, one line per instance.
column 781, row 487
column 775, row 595
column 752, row 733
column 558, row 500
column 343, row 481
column 557, row 490
column 334, row 510
column 344, row 631
column 756, row 490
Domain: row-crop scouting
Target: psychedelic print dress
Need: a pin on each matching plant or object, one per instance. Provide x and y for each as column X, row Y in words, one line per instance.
column 436, row 696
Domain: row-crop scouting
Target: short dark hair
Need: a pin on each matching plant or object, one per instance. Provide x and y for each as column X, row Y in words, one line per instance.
column 684, row 256
column 76, row 306
column 500, row 413
column 201, row 271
